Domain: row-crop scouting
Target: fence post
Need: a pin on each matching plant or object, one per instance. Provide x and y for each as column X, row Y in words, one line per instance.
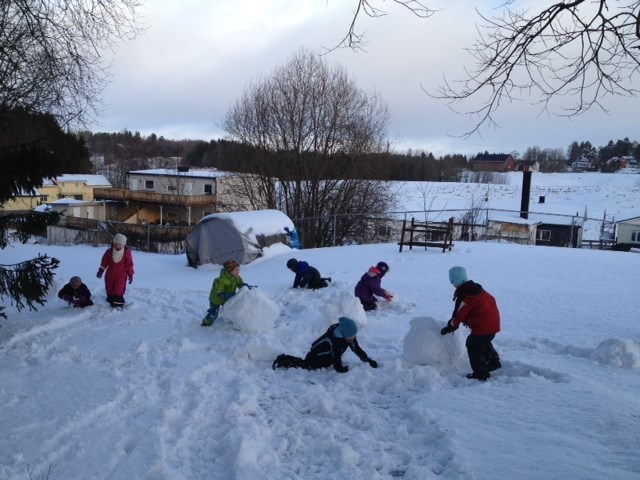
column 334, row 230
column 148, row 237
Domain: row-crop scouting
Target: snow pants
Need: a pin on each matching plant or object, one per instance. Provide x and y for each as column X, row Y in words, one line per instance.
column 482, row 356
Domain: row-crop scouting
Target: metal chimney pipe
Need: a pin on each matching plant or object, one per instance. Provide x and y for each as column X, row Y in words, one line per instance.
column 526, row 191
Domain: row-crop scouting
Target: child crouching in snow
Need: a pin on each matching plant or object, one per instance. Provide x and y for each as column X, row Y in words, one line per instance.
column 328, row 349
column 369, row 286
column 76, row 293
column 224, row 287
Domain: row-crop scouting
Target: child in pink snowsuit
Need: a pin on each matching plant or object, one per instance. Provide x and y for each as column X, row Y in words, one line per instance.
column 118, row 263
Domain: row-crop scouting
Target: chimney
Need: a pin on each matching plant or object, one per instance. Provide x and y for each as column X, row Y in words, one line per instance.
column 526, row 191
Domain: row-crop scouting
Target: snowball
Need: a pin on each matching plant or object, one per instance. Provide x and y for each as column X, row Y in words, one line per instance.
column 344, row 304
column 250, row 311
column 424, row 345
column 619, row 353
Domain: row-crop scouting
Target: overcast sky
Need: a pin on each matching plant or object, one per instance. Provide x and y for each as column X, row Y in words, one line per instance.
column 195, row 58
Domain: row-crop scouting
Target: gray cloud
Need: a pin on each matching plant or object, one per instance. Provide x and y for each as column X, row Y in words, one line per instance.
column 196, row 57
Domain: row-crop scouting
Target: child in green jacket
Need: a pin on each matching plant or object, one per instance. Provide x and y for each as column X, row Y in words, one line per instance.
column 224, row 287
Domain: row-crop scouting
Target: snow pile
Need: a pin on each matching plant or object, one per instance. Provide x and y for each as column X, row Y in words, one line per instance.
column 250, row 311
column 618, row 353
column 424, row 345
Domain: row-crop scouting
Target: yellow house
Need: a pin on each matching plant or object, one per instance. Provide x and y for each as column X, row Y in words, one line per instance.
column 24, row 202
column 71, row 186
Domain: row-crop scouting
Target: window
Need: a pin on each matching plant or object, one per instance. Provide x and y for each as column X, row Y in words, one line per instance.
column 148, row 184
column 543, row 235
column 635, row 236
column 208, row 189
column 78, row 197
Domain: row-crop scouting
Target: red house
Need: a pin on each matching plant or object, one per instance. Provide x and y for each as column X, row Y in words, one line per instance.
column 493, row 162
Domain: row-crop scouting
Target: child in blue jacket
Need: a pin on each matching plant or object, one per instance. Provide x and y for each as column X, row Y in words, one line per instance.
column 306, row 275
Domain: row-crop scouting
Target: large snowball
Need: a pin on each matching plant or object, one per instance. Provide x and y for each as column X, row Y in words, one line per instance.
column 344, row 304
column 424, row 345
column 250, row 311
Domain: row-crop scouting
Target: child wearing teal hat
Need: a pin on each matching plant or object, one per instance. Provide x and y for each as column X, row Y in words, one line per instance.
column 328, row 349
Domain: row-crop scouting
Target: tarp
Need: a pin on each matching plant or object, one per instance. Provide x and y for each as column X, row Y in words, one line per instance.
column 238, row 236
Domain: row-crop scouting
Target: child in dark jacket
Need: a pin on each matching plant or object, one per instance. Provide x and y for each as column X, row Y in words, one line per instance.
column 476, row 309
column 369, row 286
column 328, row 349
column 306, row 275
column 76, row 293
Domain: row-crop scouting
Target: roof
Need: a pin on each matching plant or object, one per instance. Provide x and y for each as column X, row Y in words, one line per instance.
column 172, row 172
column 491, row 157
column 90, row 180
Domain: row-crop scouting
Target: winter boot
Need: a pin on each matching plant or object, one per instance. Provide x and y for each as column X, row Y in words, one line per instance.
column 207, row 321
column 483, row 377
column 287, row 361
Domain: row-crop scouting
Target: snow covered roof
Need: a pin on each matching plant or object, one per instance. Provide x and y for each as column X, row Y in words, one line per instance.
column 258, row 222
column 90, row 180
column 172, row 172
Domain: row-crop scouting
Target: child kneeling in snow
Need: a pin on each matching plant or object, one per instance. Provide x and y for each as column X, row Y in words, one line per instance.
column 328, row 349
column 224, row 287
column 76, row 293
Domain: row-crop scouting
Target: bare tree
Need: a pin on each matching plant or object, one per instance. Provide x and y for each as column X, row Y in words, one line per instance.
column 308, row 130
column 50, row 59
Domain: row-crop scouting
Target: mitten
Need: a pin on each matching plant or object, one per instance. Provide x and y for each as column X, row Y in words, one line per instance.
column 373, row 363
column 388, row 297
column 342, row 369
column 100, row 272
column 130, row 279
column 449, row 328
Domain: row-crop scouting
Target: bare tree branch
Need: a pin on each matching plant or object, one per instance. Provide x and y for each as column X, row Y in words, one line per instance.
column 357, row 41
column 581, row 50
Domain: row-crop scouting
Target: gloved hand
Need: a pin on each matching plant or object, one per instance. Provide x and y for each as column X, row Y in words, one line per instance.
column 342, row 369
column 130, row 279
column 388, row 297
column 248, row 286
column 100, row 272
column 373, row 363
column 449, row 328
column 226, row 296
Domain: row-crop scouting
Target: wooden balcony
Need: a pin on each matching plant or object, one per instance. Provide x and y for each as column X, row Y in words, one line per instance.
column 141, row 196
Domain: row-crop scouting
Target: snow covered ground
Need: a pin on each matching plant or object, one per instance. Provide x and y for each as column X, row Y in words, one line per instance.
column 147, row 393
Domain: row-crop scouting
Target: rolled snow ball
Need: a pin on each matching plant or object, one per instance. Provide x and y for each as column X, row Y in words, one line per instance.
column 424, row 345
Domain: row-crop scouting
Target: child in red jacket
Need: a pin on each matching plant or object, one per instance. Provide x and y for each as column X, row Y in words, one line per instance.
column 118, row 263
column 476, row 309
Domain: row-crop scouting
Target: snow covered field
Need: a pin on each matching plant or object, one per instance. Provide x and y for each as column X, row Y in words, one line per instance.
column 147, row 393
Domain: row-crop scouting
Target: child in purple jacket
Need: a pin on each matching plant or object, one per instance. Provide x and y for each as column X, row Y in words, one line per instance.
column 369, row 287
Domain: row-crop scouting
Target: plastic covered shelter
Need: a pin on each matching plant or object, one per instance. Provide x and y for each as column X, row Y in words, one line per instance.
column 240, row 236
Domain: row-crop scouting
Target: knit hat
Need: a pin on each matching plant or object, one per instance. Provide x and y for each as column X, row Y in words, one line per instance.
column 348, row 327
column 383, row 267
column 119, row 239
column 292, row 264
column 457, row 276
column 230, row 265
column 75, row 282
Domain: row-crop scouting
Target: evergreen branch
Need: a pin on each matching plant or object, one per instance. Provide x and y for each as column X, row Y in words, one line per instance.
column 28, row 282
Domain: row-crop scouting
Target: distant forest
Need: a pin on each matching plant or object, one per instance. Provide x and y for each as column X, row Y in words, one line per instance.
column 116, row 153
